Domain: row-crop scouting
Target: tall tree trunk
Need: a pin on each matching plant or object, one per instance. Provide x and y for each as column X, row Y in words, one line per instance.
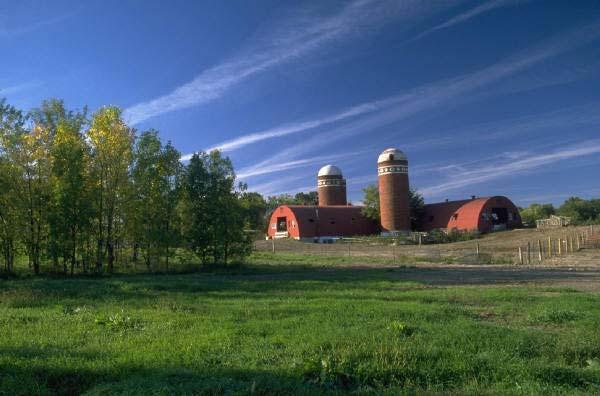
column 168, row 235
column 134, row 257
column 110, row 242
column 100, row 236
column 73, row 247
column 31, row 242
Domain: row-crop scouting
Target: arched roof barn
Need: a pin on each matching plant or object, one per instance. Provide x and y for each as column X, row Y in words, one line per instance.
column 480, row 214
column 301, row 222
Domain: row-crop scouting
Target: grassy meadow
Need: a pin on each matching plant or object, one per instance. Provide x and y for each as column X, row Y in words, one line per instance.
column 295, row 329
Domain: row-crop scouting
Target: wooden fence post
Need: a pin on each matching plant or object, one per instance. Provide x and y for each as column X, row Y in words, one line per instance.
column 540, row 250
column 571, row 244
column 349, row 243
column 578, row 242
column 477, row 249
column 529, row 253
column 520, row 255
column 549, row 247
column 273, row 244
column 420, row 239
column 559, row 243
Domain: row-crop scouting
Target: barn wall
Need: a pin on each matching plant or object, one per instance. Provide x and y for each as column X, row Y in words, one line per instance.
column 323, row 221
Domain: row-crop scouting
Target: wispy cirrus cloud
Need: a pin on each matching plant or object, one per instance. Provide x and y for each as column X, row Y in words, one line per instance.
column 580, row 116
column 467, row 15
column 289, row 129
column 433, row 95
column 263, row 169
column 8, row 31
column 18, row 88
column 297, row 38
column 512, row 167
column 279, row 186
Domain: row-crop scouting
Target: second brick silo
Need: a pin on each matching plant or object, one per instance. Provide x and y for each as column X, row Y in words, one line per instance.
column 392, row 171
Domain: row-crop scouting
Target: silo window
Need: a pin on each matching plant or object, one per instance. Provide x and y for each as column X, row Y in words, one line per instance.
column 391, row 157
column 311, row 220
column 455, row 216
column 430, row 219
column 331, row 221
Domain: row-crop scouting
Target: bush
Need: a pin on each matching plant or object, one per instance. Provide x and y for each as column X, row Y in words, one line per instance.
column 441, row 236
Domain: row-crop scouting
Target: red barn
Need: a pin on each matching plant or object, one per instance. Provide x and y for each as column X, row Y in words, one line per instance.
column 303, row 222
column 476, row 214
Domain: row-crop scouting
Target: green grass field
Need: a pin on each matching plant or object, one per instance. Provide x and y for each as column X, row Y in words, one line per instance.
column 295, row 329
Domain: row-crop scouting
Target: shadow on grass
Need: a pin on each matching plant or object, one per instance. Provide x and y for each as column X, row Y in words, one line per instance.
column 25, row 376
column 244, row 282
column 40, row 379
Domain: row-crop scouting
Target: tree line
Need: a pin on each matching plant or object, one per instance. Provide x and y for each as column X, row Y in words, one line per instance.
column 581, row 211
column 85, row 193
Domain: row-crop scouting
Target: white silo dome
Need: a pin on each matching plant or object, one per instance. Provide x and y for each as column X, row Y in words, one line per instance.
column 391, row 154
column 330, row 170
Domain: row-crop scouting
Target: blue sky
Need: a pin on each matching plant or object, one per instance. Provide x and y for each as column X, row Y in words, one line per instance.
column 485, row 97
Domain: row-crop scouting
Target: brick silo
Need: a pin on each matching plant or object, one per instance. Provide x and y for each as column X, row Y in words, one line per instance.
column 392, row 171
column 331, row 186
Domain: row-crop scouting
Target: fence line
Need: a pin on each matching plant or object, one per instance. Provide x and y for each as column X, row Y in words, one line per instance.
column 528, row 250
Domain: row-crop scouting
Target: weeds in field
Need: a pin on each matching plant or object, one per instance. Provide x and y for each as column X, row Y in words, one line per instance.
column 400, row 329
column 556, row 316
column 74, row 310
column 120, row 322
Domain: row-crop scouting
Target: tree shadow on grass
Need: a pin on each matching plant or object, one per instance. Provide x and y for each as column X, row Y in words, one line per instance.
column 40, row 292
column 25, row 376
column 123, row 380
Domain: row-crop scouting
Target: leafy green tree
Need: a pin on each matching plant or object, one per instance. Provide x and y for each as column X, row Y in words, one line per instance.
column 227, row 213
column 580, row 210
column 50, row 120
column 215, row 210
column 111, row 143
column 12, row 208
column 371, row 202
column 535, row 212
column 309, row 198
column 194, row 207
column 256, row 208
column 147, row 195
column 417, row 208
column 171, row 173
column 156, row 175
column 34, row 163
column 71, row 209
